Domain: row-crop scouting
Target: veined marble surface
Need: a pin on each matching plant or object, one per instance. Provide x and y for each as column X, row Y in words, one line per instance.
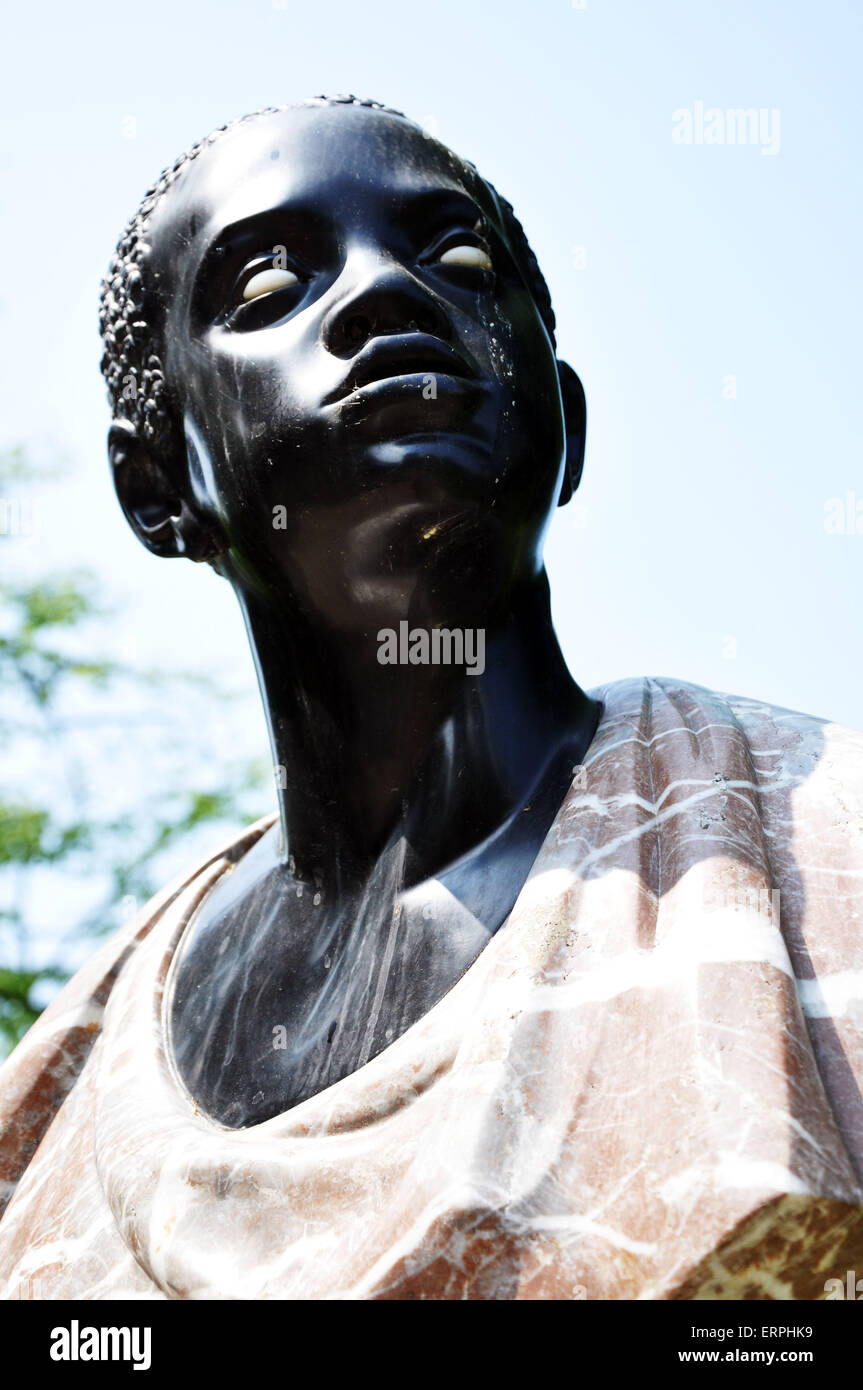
column 646, row 1086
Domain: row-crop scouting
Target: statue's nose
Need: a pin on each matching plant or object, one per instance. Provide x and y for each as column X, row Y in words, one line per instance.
column 387, row 299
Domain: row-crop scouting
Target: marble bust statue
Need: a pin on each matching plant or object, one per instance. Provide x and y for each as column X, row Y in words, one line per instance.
column 525, row 991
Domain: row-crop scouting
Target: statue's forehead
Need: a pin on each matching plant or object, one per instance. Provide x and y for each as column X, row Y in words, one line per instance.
column 331, row 156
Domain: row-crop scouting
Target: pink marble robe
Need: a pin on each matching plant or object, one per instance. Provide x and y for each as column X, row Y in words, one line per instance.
column 646, row 1086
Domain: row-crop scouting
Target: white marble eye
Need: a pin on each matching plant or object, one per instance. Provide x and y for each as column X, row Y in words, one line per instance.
column 466, row 255
column 268, row 280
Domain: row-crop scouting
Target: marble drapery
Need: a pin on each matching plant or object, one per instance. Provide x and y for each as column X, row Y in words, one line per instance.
column 646, row 1086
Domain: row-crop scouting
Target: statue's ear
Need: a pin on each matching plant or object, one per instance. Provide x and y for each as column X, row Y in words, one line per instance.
column 575, row 422
column 159, row 515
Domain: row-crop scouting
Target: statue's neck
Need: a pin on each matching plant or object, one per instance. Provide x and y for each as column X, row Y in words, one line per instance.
column 366, row 753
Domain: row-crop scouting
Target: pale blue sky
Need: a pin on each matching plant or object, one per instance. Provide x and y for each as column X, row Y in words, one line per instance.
column 697, row 547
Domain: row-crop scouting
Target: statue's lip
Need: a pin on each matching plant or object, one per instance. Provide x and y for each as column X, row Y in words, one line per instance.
column 399, row 355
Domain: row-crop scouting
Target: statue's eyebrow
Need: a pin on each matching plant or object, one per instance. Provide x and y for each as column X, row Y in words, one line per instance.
column 415, row 205
column 448, row 203
column 295, row 219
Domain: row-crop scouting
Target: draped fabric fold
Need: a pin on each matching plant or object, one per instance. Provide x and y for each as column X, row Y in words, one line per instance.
column 647, row 1085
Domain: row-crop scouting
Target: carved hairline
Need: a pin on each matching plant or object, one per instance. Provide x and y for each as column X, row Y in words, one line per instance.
column 131, row 360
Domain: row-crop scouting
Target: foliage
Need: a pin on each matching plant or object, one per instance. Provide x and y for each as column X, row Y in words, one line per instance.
column 83, row 842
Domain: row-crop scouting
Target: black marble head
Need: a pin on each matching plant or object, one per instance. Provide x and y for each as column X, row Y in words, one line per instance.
column 322, row 322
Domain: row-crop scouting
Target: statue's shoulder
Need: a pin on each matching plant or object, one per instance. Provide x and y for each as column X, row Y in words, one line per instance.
column 39, row 1074
column 819, row 760
column 645, row 696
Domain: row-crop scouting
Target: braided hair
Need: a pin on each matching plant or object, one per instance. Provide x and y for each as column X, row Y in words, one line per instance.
column 130, row 322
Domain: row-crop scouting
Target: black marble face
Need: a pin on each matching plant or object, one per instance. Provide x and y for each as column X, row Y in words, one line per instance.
column 361, row 368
